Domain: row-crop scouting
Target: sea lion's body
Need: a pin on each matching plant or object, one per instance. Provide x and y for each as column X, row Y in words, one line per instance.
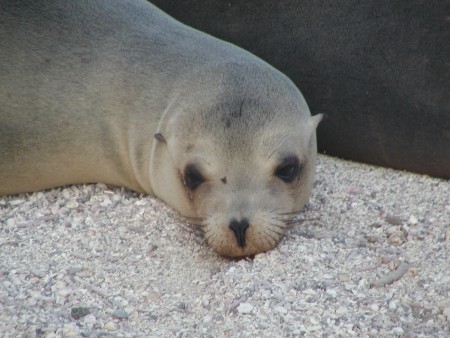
column 80, row 82
column 86, row 85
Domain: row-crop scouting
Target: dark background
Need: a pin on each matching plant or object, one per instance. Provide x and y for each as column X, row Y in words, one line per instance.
column 379, row 70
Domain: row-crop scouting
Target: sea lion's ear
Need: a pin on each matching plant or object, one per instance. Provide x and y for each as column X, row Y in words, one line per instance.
column 160, row 138
column 314, row 121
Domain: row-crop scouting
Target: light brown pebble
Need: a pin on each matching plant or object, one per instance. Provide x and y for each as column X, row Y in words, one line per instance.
column 72, row 204
column 397, row 238
column 109, row 326
column 412, row 272
column 393, row 264
column 446, row 312
column 444, row 304
column 70, row 330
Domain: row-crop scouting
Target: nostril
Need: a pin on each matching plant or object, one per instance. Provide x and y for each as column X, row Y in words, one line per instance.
column 239, row 228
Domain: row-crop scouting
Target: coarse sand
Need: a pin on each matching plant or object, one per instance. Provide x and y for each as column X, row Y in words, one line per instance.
column 373, row 259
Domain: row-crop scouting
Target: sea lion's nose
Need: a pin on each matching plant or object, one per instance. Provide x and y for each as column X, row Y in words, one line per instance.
column 239, row 228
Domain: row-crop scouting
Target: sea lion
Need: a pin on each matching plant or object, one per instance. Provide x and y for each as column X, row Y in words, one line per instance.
column 378, row 70
column 118, row 92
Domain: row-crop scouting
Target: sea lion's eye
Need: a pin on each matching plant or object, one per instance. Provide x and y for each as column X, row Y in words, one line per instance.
column 192, row 177
column 288, row 170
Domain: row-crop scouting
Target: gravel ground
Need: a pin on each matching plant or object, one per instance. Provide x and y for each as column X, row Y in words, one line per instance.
column 94, row 261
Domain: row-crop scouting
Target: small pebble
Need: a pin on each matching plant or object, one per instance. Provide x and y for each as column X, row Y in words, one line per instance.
column 72, row 204
column 245, row 308
column 90, row 319
column 343, row 277
column 332, row 293
column 413, row 220
column 79, row 312
column 70, row 330
column 16, row 202
column 446, row 312
column 281, row 309
column 354, row 190
column 392, row 229
column 120, row 314
column 394, row 220
column 398, row 331
column 207, row 319
column 397, row 238
column 110, row 326
column 351, row 233
column 443, row 304
column 372, row 239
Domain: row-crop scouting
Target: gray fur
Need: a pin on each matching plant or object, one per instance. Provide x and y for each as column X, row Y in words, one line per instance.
column 86, row 85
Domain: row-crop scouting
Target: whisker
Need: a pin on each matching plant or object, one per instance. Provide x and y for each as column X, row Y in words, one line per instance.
column 201, row 226
column 196, row 221
column 270, row 244
column 285, row 219
column 272, row 211
column 195, row 218
column 291, row 213
column 276, row 232
column 198, row 227
column 300, row 221
column 279, row 226
column 208, row 235
column 268, row 234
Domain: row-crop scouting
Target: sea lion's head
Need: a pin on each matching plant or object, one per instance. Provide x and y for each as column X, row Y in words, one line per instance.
column 236, row 154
